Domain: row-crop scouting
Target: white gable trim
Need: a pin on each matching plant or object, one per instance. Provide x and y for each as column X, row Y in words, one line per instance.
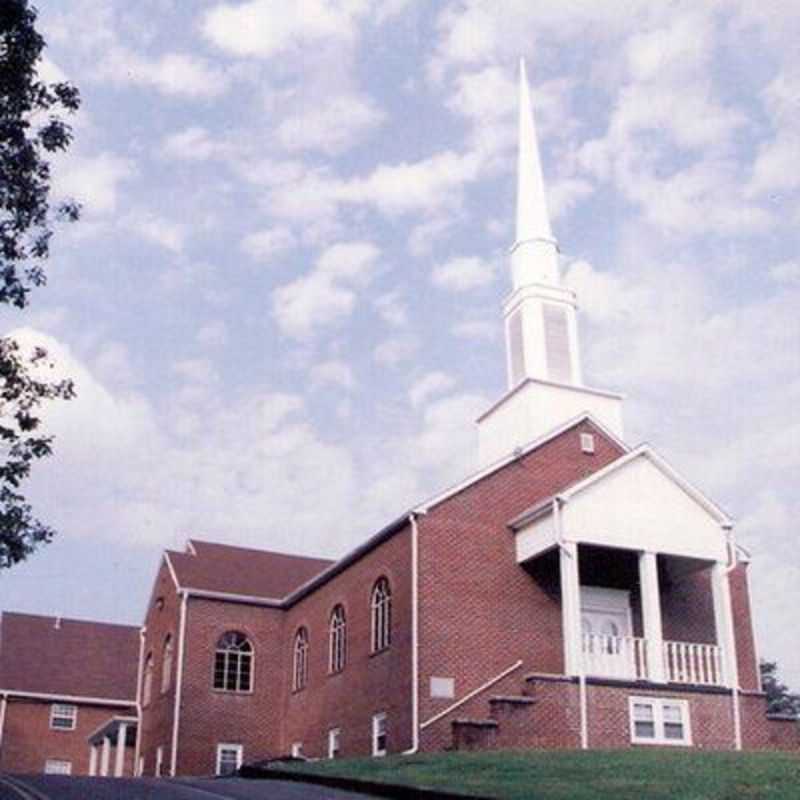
column 523, row 451
column 645, row 451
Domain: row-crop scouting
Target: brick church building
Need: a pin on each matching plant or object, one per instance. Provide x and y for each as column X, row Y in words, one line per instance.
column 575, row 592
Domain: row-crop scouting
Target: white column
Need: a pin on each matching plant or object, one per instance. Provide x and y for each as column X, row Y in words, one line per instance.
column 119, row 756
column 571, row 608
column 92, row 760
column 651, row 616
column 105, row 756
column 723, row 620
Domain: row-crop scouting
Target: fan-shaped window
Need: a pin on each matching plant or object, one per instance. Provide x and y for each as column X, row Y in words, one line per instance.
column 338, row 640
column 166, row 665
column 381, row 607
column 147, row 683
column 300, row 671
column 233, row 663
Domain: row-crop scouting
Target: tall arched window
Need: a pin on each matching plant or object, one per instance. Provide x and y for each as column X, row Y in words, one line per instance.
column 338, row 640
column 233, row 663
column 147, row 683
column 381, row 607
column 166, row 665
column 300, row 672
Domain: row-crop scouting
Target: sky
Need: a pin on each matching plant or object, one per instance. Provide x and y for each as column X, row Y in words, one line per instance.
column 281, row 306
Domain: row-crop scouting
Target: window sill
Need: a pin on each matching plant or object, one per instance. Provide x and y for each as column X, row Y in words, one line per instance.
column 232, row 692
column 380, row 652
column 663, row 742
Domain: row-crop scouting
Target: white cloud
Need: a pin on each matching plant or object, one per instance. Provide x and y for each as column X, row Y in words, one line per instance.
column 333, row 373
column 428, row 386
column 331, row 125
column 163, row 232
column 476, row 330
column 327, row 294
column 463, row 273
column 196, row 370
column 266, row 28
column 391, row 309
column 263, row 245
column 93, row 181
column 787, row 272
column 190, row 144
column 395, row 350
column 212, row 334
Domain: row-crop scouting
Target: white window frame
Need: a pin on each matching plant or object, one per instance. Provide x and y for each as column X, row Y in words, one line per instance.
column 159, row 761
column 337, row 640
column 64, row 711
column 147, row 680
column 297, row 750
column 300, row 659
column 233, row 660
column 379, row 727
column 334, row 742
column 657, row 704
column 64, row 767
column 381, row 615
column 236, row 748
column 166, row 664
column 587, row 443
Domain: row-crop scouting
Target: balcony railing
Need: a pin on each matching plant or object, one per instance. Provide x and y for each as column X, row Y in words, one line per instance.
column 628, row 658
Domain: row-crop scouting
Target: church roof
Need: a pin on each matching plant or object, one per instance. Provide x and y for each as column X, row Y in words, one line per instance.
column 213, row 567
column 68, row 657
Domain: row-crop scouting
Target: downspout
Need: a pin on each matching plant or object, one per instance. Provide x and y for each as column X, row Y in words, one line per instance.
column 176, row 716
column 577, row 656
column 138, row 748
column 733, row 562
column 412, row 518
column 3, row 705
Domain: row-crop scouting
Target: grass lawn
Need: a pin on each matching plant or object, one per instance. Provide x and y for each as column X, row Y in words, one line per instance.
column 591, row 775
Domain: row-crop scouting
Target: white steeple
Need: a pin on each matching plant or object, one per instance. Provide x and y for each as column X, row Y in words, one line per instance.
column 545, row 383
column 534, row 255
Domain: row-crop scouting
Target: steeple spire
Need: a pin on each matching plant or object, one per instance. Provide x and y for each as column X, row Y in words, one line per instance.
column 535, row 251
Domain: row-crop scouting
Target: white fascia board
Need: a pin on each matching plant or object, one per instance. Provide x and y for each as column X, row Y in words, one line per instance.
column 523, row 451
column 69, row 698
column 171, row 570
column 111, row 724
column 645, row 451
column 233, row 598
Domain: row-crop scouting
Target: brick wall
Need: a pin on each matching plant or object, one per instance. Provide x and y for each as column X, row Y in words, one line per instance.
column 370, row 683
column 28, row 740
column 746, row 659
column 162, row 619
column 479, row 610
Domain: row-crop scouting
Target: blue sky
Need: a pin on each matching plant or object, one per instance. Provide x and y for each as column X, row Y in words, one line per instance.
column 282, row 304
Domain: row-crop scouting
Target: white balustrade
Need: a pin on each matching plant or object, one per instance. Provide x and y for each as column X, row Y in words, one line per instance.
column 699, row 664
column 629, row 658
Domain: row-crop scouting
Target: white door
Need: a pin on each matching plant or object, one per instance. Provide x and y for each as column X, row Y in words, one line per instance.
column 606, row 628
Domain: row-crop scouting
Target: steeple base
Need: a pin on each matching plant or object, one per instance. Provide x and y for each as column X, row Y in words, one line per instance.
column 534, row 407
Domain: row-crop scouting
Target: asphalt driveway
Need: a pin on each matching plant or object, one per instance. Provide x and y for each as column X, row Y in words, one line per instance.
column 57, row 787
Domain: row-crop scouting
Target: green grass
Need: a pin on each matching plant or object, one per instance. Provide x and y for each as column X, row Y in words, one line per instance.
column 591, row 775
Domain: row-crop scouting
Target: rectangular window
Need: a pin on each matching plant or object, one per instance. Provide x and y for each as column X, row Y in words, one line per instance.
column 334, row 735
column 656, row 720
column 56, row 767
column 587, row 443
column 379, row 735
column 443, row 687
column 159, row 761
column 63, row 717
column 297, row 750
column 229, row 758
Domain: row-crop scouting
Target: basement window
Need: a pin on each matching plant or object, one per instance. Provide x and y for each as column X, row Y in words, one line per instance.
column 63, row 717
column 334, row 736
column 659, row 721
column 57, row 767
column 379, row 735
column 229, row 758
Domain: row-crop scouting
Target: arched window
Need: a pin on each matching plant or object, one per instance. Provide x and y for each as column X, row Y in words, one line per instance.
column 233, row 663
column 300, row 672
column 381, row 607
column 166, row 665
column 147, row 683
column 338, row 640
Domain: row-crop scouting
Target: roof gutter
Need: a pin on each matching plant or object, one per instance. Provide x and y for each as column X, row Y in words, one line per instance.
column 3, row 705
column 68, row 698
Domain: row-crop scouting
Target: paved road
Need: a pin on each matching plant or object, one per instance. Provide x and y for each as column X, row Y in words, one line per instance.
column 56, row 787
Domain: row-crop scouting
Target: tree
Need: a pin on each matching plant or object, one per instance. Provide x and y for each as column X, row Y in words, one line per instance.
column 32, row 129
column 779, row 699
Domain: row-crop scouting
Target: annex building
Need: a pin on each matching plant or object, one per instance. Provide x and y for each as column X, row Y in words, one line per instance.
column 575, row 592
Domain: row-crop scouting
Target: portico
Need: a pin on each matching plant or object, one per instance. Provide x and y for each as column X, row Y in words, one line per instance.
column 635, row 545
column 119, row 733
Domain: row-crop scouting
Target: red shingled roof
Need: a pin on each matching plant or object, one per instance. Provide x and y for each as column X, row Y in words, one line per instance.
column 241, row 570
column 68, row 657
